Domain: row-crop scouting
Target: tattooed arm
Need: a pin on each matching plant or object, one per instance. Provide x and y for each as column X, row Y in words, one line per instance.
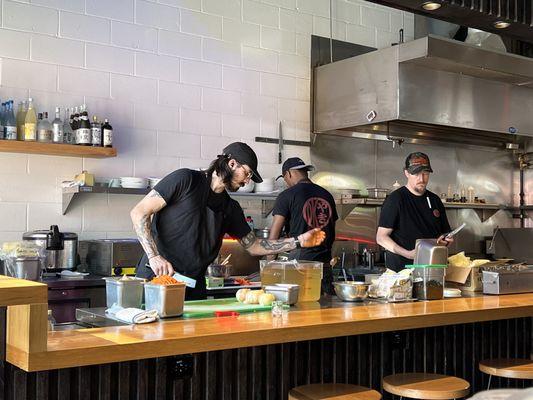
column 261, row 247
column 141, row 216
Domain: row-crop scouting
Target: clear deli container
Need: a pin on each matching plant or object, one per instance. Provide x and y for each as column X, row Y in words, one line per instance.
column 285, row 292
column 306, row 274
column 124, row 293
column 428, row 281
column 166, row 299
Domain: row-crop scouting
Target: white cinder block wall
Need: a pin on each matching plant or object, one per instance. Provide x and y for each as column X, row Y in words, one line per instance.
column 178, row 79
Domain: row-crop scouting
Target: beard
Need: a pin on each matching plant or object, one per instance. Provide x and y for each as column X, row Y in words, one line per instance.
column 420, row 189
column 233, row 185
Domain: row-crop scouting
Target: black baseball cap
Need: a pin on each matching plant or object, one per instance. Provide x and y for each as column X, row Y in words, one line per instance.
column 294, row 163
column 417, row 162
column 243, row 154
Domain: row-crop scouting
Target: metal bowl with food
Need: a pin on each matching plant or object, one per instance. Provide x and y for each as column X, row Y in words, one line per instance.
column 219, row 270
column 351, row 291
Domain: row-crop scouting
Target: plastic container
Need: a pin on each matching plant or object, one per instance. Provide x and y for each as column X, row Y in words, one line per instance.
column 24, row 268
column 166, row 299
column 124, row 293
column 285, row 292
column 306, row 274
column 428, row 281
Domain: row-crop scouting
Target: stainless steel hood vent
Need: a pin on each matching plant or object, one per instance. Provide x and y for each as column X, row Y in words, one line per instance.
column 429, row 89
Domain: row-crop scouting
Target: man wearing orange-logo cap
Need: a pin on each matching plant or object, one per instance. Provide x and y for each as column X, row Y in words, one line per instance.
column 412, row 212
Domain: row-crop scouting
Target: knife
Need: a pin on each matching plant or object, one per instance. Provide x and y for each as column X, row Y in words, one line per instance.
column 280, row 147
column 455, row 231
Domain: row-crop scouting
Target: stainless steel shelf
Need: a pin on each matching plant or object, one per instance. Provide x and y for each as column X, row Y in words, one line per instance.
column 69, row 194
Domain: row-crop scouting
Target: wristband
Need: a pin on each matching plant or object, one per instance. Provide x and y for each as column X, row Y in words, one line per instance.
column 297, row 243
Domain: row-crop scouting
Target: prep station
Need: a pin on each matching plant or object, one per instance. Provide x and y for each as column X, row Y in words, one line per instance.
column 184, row 79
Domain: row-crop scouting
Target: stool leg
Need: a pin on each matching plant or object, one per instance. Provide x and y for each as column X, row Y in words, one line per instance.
column 488, row 386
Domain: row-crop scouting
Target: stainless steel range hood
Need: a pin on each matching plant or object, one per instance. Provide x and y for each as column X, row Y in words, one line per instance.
column 429, row 89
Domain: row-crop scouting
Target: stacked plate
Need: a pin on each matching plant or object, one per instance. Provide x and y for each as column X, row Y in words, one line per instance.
column 153, row 181
column 133, row 183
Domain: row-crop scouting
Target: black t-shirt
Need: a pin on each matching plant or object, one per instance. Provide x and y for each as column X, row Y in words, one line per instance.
column 189, row 230
column 411, row 217
column 306, row 206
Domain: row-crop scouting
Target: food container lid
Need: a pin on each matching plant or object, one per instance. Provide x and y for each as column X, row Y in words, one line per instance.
column 282, row 287
column 117, row 280
column 26, row 258
column 426, row 266
column 42, row 235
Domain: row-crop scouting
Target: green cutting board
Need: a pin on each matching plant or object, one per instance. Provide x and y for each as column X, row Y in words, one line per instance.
column 207, row 308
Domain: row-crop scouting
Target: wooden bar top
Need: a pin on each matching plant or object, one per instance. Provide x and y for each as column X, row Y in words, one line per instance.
column 15, row 291
column 165, row 338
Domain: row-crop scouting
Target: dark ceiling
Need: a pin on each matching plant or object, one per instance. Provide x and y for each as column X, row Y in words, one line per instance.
column 480, row 14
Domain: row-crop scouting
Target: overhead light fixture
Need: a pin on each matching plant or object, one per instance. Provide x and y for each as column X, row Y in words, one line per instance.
column 431, row 5
column 501, row 24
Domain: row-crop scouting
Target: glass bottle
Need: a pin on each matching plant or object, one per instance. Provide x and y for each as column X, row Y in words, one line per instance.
column 10, row 125
column 57, row 127
column 30, row 123
column 96, row 132
column 68, row 134
column 21, row 116
column 2, row 120
column 107, row 132
column 83, row 133
column 51, row 321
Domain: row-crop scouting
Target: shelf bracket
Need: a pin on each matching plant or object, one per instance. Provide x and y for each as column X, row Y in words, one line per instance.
column 66, row 199
column 266, row 207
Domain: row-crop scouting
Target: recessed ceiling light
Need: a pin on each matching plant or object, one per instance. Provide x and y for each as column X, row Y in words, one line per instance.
column 501, row 24
column 431, row 6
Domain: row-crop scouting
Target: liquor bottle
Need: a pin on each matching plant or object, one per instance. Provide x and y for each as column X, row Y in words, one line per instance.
column 68, row 134
column 57, row 127
column 10, row 126
column 44, row 132
column 21, row 116
column 107, row 133
column 2, row 120
column 83, row 133
column 96, row 132
column 76, row 120
column 71, row 119
column 30, row 123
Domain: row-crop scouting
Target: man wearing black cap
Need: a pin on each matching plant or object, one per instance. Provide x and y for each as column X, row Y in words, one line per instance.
column 409, row 213
column 182, row 221
column 303, row 206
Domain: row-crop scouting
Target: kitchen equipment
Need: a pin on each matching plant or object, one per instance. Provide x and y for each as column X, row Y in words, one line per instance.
column 153, row 181
column 168, row 300
column 428, row 281
column 307, row 274
column 504, row 280
column 351, row 291
column 377, row 193
column 219, row 270
column 427, row 252
column 208, row 308
column 124, row 292
column 265, row 187
column 287, row 293
column 24, row 268
column 111, row 257
column 60, row 248
column 133, row 182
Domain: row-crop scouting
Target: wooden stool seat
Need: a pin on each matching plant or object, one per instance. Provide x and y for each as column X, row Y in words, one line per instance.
column 426, row 386
column 517, row 368
column 333, row 391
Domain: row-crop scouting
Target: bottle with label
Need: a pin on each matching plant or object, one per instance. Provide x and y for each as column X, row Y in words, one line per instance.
column 21, row 116
column 57, row 127
column 30, row 123
column 83, row 133
column 44, row 129
column 68, row 134
column 107, row 134
column 75, row 120
column 96, row 132
column 10, row 126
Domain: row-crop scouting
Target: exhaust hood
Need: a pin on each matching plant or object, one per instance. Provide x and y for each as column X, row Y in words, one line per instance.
column 431, row 89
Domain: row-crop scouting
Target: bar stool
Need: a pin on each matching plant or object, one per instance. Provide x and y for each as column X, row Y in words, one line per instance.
column 515, row 368
column 333, row 391
column 426, row 386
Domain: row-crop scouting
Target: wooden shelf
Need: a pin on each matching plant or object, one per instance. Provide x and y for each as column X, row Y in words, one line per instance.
column 56, row 149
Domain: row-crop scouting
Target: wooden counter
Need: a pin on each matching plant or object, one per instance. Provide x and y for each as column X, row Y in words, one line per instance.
column 113, row 344
column 15, row 291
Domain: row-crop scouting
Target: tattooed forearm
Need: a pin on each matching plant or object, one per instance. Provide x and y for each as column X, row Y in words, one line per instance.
column 142, row 228
column 248, row 240
column 277, row 246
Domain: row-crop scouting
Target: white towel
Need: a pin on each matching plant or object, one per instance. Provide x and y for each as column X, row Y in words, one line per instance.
column 133, row 315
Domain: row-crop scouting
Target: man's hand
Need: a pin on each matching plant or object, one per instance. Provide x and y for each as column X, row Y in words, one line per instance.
column 443, row 241
column 411, row 254
column 161, row 266
column 312, row 238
